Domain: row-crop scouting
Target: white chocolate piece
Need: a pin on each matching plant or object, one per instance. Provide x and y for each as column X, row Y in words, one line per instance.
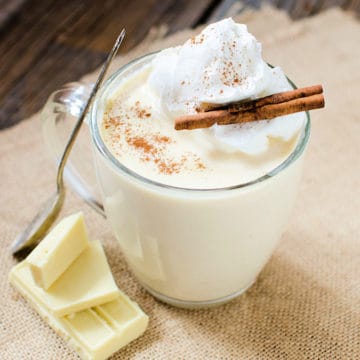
column 94, row 333
column 106, row 328
column 86, row 283
column 58, row 250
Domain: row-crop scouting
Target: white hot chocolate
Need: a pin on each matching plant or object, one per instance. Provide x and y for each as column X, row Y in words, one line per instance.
column 187, row 246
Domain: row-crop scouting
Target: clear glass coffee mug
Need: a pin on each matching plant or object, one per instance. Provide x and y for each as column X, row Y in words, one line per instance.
column 187, row 247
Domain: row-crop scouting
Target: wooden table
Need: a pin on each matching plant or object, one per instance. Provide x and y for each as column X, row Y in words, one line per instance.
column 46, row 43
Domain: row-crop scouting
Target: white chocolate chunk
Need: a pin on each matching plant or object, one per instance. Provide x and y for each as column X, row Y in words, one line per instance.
column 94, row 333
column 87, row 282
column 106, row 328
column 83, row 304
column 58, row 250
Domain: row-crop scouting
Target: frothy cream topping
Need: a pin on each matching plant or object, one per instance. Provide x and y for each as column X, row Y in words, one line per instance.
column 220, row 65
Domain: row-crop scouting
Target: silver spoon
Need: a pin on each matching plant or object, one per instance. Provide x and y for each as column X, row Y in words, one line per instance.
column 47, row 216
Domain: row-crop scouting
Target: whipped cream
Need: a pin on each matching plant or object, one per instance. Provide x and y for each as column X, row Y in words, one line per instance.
column 220, row 65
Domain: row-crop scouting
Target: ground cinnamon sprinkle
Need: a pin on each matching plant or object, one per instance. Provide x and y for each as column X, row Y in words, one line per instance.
column 169, row 168
column 200, row 165
column 142, row 143
column 230, row 74
column 198, row 39
column 112, row 121
column 140, row 112
column 162, row 139
column 151, row 146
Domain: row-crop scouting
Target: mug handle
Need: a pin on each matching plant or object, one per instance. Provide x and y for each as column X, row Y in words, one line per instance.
column 58, row 116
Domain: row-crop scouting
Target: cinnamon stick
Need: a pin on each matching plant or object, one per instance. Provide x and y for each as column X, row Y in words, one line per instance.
column 267, row 100
column 265, row 108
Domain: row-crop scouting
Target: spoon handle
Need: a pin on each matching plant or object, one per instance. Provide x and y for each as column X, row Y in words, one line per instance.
column 75, row 131
column 42, row 222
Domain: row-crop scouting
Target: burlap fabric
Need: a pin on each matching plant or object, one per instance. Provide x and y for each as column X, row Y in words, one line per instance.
column 305, row 304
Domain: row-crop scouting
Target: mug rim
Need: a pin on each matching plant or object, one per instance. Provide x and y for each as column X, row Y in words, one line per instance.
column 105, row 152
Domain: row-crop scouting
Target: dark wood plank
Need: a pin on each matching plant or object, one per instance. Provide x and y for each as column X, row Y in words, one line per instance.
column 353, row 5
column 56, row 41
column 26, row 44
column 96, row 29
column 8, row 10
column 45, row 44
column 29, row 92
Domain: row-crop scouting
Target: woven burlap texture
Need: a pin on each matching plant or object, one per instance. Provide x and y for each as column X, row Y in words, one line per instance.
column 305, row 304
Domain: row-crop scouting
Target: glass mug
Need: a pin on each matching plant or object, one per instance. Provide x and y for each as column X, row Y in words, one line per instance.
column 187, row 247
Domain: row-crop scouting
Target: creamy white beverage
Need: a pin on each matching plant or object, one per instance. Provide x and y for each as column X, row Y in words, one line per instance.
column 197, row 213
